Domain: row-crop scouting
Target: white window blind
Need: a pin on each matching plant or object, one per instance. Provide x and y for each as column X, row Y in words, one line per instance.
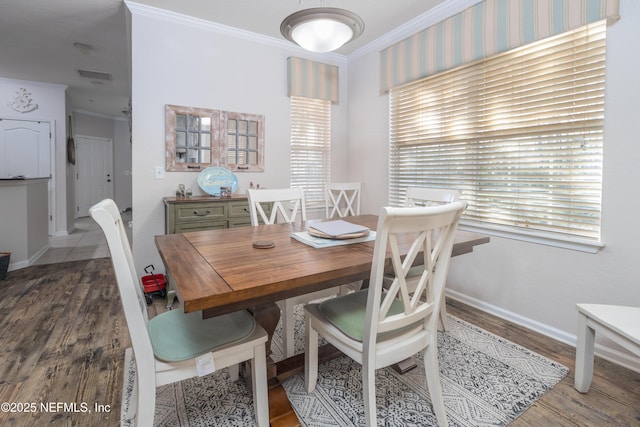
column 520, row 134
column 310, row 148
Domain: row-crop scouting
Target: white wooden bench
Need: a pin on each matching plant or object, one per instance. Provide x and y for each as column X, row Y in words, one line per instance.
column 619, row 323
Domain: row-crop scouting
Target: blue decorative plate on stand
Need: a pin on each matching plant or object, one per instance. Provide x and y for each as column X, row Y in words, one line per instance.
column 212, row 179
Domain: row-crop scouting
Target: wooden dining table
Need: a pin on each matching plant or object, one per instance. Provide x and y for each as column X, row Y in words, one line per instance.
column 220, row 271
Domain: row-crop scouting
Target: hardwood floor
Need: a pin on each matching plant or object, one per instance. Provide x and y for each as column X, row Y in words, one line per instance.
column 614, row 396
column 62, row 344
column 64, row 335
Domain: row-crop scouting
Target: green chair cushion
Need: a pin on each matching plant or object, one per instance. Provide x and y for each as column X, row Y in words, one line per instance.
column 414, row 271
column 347, row 313
column 176, row 335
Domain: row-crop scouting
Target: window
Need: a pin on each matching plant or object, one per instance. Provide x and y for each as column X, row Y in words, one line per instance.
column 310, row 148
column 520, row 134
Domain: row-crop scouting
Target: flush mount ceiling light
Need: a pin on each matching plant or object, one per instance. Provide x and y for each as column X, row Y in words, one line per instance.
column 322, row 29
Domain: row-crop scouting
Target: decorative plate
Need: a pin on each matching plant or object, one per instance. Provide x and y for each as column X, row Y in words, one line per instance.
column 213, row 178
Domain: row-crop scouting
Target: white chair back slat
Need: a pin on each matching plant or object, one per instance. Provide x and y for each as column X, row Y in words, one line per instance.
column 422, row 196
column 286, row 203
column 420, row 300
column 342, row 199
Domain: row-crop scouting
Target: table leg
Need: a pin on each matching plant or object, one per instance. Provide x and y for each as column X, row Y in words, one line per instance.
column 281, row 413
column 584, row 355
column 267, row 316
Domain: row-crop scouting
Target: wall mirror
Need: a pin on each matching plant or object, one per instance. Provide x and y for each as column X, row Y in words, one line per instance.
column 191, row 138
column 243, row 141
column 197, row 138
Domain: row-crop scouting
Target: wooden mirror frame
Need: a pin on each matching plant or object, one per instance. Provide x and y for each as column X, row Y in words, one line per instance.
column 219, row 138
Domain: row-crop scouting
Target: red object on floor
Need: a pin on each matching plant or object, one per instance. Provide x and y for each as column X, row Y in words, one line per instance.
column 154, row 283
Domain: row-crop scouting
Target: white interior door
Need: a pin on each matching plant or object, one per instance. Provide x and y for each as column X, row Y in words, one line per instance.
column 94, row 172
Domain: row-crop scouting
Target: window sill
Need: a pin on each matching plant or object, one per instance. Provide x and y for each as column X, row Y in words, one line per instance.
column 549, row 239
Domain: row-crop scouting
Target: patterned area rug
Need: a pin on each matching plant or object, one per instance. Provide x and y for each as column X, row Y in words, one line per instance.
column 486, row 381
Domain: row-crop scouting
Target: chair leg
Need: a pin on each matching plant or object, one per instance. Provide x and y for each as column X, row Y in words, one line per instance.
column 369, row 393
column 584, row 355
column 434, row 386
column 146, row 398
column 259, row 386
column 310, row 356
column 443, row 314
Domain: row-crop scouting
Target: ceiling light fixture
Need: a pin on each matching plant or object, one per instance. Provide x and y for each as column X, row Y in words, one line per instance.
column 322, row 29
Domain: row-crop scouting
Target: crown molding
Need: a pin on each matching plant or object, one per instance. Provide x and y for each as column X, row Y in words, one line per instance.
column 431, row 17
column 99, row 115
column 202, row 24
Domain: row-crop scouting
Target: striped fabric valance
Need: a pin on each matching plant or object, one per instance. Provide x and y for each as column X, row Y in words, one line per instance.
column 489, row 27
column 312, row 79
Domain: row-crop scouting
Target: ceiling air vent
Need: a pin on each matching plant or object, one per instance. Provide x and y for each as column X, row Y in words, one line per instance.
column 97, row 75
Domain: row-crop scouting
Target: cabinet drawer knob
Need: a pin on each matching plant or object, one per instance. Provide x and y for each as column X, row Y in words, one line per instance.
column 196, row 213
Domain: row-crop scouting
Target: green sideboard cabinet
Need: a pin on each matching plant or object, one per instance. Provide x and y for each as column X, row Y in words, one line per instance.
column 206, row 213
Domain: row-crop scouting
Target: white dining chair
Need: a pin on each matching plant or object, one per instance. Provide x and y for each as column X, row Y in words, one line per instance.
column 169, row 347
column 379, row 327
column 285, row 203
column 342, row 199
column 620, row 324
column 426, row 196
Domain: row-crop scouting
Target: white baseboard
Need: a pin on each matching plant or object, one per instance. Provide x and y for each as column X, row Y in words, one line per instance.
column 38, row 254
column 612, row 355
column 16, row 265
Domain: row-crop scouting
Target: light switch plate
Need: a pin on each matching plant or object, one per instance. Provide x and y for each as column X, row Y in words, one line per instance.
column 159, row 172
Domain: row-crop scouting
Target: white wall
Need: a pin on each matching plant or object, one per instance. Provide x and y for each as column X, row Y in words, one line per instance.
column 91, row 124
column 535, row 285
column 368, row 148
column 191, row 63
column 122, row 164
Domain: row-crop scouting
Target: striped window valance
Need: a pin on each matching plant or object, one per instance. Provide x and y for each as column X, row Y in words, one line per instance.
column 489, row 27
column 312, row 79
